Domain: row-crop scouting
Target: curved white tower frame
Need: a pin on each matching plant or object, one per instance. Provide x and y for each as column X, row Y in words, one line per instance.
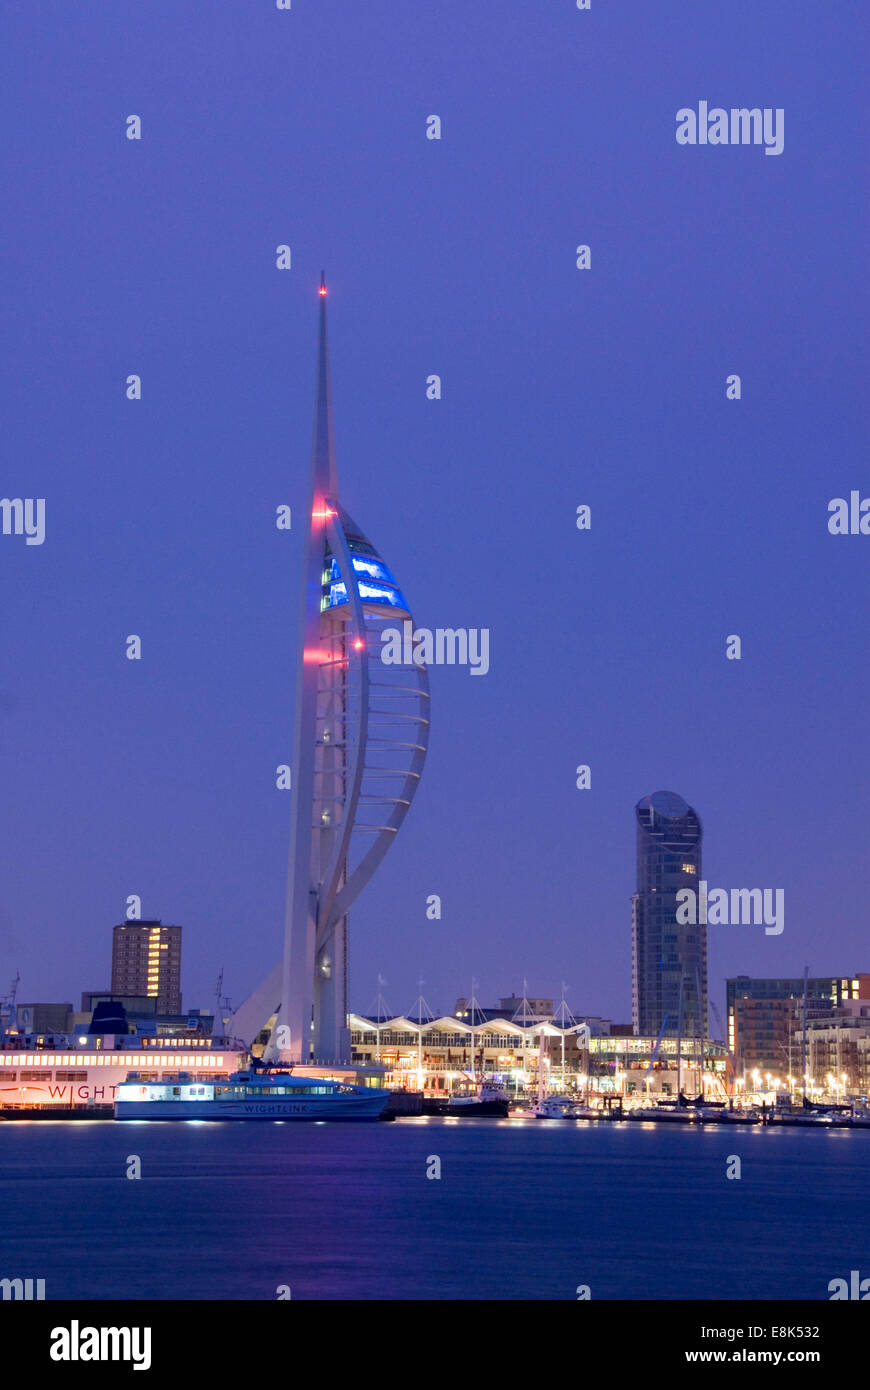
column 361, row 733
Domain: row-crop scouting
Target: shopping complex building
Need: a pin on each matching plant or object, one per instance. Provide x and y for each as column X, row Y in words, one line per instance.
column 440, row 1055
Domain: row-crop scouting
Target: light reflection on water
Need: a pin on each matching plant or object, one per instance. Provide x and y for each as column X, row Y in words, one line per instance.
column 524, row 1209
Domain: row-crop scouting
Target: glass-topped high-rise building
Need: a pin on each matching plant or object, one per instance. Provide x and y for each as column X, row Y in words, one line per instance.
column 669, row 960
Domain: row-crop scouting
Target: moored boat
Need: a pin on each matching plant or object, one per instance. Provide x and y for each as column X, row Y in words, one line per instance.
column 670, row 1113
column 556, row 1108
column 434, row 1105
column 248, row 1095
column 485, row 1101
column 806, row 1118
column 721, row 1115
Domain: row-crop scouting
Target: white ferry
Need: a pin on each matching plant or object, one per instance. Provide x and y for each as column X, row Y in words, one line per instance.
column 64, row 1077
column 248, row 1095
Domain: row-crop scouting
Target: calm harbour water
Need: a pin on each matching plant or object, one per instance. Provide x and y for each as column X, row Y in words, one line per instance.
column 523, row 1210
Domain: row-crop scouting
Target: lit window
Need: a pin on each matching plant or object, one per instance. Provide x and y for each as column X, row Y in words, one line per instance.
column 378, row 593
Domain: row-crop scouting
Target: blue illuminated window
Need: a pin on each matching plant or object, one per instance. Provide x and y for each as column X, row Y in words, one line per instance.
column 371, row 568
column 377, row 593
column 369, row 593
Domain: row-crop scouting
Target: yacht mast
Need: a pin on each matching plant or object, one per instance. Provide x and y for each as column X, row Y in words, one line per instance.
column 680, row 1041
column 541, row 1064
column 804, row 1043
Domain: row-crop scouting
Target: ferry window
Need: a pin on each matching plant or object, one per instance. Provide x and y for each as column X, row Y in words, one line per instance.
column 176, row 1090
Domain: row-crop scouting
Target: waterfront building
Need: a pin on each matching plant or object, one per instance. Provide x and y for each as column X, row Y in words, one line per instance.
column 669, row 960
column 360, row 739
column 524, row 1007
column 146, row 960
column 765, row 1017
column 525, row 1010
column 762, row 1034
column 438, row 1056
column 838, row 1053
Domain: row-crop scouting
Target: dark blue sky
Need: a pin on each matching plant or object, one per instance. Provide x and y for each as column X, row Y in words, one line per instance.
column 561, row 387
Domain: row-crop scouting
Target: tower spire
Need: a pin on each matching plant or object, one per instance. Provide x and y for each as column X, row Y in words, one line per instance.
column 357, row 759
column 324, row 478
